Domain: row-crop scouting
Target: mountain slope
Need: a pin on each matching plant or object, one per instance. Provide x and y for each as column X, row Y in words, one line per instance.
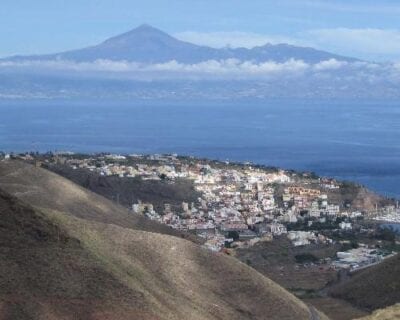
column 147, row 44
column 60, row 261
column 47, row 190
column 389, row 313
column 373, row 288
column 46, row 274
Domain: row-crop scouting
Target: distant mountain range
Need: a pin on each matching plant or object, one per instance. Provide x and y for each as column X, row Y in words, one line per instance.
column 146, row 44
column 148, row 64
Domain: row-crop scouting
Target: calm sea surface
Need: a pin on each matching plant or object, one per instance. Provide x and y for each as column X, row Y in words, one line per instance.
column 348, row 140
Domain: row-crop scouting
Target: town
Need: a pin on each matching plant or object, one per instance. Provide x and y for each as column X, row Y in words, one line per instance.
column 240, row 204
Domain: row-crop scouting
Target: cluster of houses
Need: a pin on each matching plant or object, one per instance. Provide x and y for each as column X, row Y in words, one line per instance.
column 4, row 156
column 238, row 203
column 359, row 258
column 302, row 238
column 389, row 214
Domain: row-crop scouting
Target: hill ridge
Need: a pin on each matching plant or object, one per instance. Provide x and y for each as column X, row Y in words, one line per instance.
column 30, row 184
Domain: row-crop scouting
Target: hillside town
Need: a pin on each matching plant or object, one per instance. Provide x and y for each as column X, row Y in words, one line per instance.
column 239, row 205
column 236, row 204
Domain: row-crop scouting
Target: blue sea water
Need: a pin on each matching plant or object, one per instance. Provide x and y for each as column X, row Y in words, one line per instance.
column 349, row 140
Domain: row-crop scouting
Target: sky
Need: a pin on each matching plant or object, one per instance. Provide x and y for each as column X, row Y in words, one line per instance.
column 365, row 29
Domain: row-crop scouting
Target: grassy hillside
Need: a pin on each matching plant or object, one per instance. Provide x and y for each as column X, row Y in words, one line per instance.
column 71, row 256
column 46, row 274
column 43, row 189
column 372, row 288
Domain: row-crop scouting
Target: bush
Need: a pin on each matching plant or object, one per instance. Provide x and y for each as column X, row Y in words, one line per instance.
column 348, row 246
column 305, row 257
column 234, row 235
column 386, row 234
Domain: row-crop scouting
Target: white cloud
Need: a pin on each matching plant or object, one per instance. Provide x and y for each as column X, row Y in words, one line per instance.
column 230, row 69
column 212, row 68
column 98, row 65
column 331, row 64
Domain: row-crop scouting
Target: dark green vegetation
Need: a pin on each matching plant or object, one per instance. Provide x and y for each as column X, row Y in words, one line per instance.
column 129, row 190
column 305, row 257
column 386, row 234
column 373, row 235
column 71, row 254
column 302, row 225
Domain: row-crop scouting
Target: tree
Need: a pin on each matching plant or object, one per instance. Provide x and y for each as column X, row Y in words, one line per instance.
column 387, row 234
column 234, row 235
column 305, row 257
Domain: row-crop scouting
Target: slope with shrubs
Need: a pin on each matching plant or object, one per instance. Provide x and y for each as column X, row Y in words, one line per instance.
column 131, row 190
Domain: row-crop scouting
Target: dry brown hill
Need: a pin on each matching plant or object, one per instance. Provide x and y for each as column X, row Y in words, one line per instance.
column 372, row 288
column 389, row 313
column 46, row 274
column 70, row 256
column 44, row 189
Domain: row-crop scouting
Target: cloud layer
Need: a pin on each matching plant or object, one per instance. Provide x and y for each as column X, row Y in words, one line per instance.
column 225, row 79
column 231, row 69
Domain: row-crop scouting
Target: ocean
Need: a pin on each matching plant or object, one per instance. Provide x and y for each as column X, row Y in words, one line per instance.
column 349, row 140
